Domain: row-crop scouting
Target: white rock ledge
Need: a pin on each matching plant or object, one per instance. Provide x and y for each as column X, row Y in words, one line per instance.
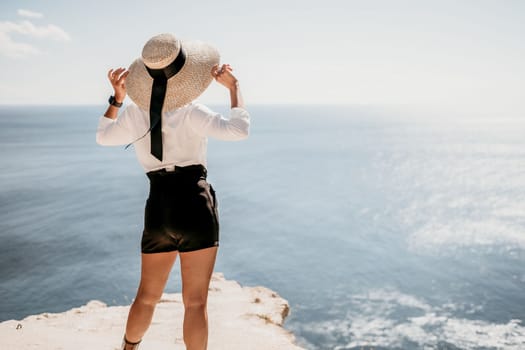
column 247, row 318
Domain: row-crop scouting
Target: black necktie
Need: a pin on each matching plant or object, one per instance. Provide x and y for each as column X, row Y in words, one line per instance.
column 158, row 92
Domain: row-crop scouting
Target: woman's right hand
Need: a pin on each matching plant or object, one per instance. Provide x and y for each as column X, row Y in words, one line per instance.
column 117, row 78
column 223, row 75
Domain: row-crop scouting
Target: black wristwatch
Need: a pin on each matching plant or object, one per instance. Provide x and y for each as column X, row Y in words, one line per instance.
column 114, row 102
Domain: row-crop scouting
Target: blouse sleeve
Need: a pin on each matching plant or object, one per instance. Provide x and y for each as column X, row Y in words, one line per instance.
column 208, row 123
column 113, row 132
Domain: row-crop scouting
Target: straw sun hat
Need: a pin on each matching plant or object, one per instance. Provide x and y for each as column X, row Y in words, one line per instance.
column 191, row 63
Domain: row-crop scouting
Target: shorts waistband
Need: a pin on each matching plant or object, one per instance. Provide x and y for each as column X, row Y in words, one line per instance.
column 197, row 170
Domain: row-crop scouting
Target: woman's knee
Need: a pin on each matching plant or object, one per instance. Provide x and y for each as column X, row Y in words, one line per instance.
column 194, row 302
column 147, row 298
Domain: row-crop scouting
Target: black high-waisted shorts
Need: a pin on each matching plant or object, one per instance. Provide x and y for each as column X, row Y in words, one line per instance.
column 181, row 211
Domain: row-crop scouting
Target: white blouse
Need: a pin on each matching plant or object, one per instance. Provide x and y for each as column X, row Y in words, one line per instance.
column 185, row 133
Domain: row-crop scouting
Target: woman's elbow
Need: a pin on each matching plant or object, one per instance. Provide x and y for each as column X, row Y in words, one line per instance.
column 101, row 140
column 242, row 133
column 245, row 134
column 240, row 129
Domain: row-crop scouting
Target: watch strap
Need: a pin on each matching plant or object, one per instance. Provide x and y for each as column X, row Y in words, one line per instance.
column 112, row 101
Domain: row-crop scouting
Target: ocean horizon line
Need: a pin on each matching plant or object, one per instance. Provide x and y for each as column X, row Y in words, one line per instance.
column 418, row 111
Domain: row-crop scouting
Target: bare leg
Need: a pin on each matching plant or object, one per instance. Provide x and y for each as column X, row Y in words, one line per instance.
column 197, row 268
column 154, row 274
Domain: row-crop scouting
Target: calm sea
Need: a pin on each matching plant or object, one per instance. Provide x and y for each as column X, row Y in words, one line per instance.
column 384, row 228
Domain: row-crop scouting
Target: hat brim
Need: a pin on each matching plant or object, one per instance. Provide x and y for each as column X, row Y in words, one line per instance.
column 185, row 86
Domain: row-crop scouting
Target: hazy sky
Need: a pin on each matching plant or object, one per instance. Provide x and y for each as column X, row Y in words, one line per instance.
column 344, row 52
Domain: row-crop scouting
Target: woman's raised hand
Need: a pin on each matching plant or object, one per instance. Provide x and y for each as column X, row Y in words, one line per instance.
column 117, row 78
column 224, row 76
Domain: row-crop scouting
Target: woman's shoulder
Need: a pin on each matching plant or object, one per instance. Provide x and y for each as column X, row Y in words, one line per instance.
column 132, row 108
column 199, row 110
column 200, row 107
